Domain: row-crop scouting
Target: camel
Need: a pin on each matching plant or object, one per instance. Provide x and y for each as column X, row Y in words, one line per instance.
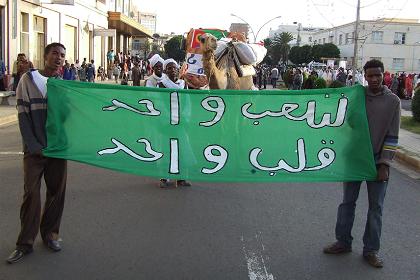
column 223, row 75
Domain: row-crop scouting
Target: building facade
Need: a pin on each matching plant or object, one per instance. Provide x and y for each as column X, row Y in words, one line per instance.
column 396, row 42
column 87, row 28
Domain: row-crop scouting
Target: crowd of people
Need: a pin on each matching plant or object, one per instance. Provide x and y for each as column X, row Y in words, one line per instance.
column 401, row 84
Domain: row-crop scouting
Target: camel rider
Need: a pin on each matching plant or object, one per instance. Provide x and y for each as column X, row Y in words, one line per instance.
column 157, row 65
column 170, row 80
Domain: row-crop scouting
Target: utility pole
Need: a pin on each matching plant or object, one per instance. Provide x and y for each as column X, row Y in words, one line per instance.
column 356, row 40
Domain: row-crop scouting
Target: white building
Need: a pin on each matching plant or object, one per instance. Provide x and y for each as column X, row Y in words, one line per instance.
column 87, row 28
column 396, row 42
column 301, row 35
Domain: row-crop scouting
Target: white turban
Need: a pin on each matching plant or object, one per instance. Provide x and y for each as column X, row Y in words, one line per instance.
column 170, row 60
column 155, row 59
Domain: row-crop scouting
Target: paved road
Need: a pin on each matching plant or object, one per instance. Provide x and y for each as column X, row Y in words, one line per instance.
column 119, row 226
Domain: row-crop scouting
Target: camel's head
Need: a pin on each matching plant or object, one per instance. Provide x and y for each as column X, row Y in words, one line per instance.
column 208, row 42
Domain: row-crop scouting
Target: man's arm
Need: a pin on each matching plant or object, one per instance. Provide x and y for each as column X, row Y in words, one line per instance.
column 25, row 121
column 390, row 145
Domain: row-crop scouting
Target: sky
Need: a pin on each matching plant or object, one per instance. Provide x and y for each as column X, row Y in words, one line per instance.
column 179, row 16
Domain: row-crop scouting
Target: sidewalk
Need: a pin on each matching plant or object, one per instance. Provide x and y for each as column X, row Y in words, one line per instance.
column 409, row 152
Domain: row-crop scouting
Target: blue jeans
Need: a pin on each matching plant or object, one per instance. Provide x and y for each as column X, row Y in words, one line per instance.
column 345, row 216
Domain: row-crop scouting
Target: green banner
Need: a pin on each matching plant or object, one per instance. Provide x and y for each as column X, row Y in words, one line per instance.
column 216, row 135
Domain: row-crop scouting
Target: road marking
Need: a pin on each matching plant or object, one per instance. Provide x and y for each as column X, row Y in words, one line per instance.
column 10, row 153
column 254, row 252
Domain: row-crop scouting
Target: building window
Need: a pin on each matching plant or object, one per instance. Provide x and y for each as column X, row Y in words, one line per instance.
column 310, row 39
column 340, row 39
column 398, row 63
column 330, row 39
column 399, row 38
column 136, row 45
column 39, row 25
column 323, row 40
column 377, row 36
column 347, row 38
column 24, row 33
column 315, row 42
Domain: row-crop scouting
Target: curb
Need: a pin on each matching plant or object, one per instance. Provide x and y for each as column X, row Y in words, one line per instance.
column 404, row 157
column 8, row 119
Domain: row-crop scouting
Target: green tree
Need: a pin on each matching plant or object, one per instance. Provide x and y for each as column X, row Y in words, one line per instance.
column 306, row 54
column 415, row 106
column 281, row 47
column 317, row 52
column 330, row 50
column 268, row 44
column 173, row 48
column 294, row 55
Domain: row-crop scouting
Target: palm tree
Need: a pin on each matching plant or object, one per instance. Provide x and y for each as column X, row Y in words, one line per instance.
column 281, row 46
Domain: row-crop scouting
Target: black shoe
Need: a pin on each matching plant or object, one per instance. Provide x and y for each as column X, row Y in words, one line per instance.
column 183, row 183
column 54, row 245
column 17, row 255
column 373, row 259
column 337, row 248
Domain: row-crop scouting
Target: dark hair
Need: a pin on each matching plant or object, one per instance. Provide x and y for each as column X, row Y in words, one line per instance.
column 53, row 45
column 374, row 63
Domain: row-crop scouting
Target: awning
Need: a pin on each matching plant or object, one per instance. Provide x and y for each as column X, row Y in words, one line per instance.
column 126, row 25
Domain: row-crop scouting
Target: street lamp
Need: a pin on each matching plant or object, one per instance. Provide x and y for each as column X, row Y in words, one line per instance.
column 250, row 27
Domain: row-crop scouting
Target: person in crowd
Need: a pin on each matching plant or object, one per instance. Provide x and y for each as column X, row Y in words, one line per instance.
column 110, row 57
column 297, row 80
column 274, row 76
column 22, row 66
column 349, row 81
column 394, row 84
column 401, row 86
column 32, row 108
column 341, row 76
column 383, row 113
column 92, row 62
column 90, row 73
column 387, row 79
column 136, row 74
column 409, row 86
column 156, row 63
column 101, row 73
column 67, row 74
column 310, row 81
column 170, row 80
column 2, row 75
column 116, row 72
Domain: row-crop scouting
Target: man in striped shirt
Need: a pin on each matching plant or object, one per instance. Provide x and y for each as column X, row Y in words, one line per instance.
column 31, row 96
column 383, row 112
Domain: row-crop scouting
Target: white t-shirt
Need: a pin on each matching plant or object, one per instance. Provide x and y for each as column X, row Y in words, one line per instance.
column 41, row 82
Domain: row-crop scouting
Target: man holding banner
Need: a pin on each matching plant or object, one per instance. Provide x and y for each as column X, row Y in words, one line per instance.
column 383, row 112
column 31, row 97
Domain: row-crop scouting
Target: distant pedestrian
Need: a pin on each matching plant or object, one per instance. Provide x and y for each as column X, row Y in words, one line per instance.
column 274, row 76
column 136, row 74
column 2, row 76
